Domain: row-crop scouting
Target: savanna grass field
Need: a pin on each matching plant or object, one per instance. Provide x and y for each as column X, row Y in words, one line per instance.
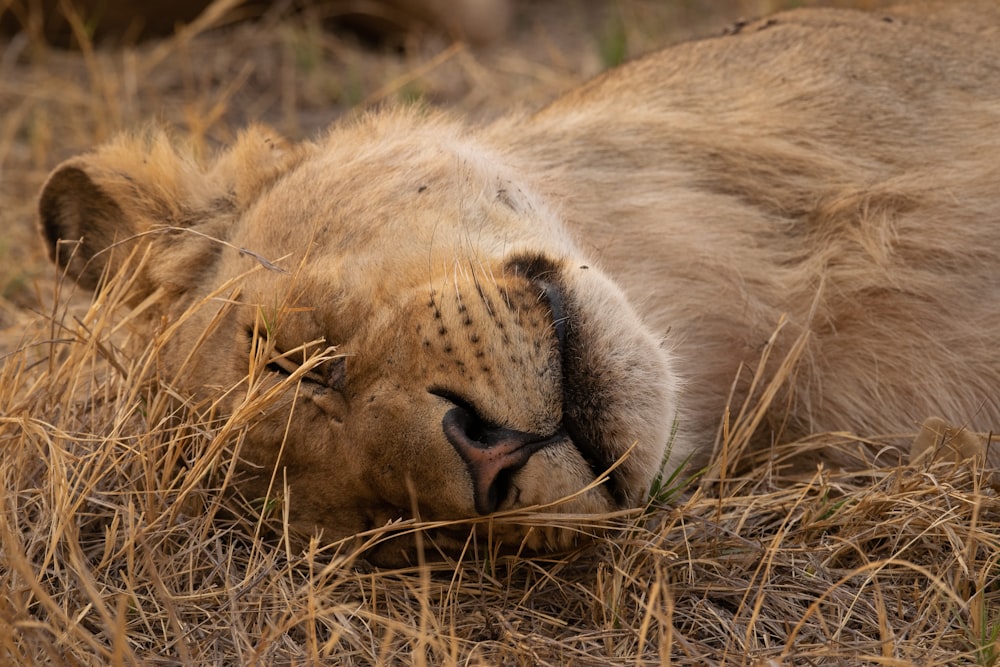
column 121, row 545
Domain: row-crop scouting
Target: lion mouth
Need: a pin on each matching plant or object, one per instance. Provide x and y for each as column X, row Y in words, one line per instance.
column 573, row 422
column 579, row 411
column 594, row 456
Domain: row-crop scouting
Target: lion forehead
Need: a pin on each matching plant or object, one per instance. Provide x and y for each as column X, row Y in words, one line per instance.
column 380, row 204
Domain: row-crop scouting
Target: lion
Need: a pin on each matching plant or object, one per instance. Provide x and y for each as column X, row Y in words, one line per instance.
column 553, row 309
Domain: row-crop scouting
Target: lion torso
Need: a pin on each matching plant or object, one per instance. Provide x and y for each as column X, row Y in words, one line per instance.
column 839, row 177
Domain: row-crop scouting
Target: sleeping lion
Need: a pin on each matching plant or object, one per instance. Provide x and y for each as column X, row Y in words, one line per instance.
column 553, row 309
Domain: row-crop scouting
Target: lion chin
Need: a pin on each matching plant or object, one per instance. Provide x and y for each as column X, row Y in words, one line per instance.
column 546, row 313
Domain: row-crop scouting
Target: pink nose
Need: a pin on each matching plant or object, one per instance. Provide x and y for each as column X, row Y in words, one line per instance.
column 492, row 453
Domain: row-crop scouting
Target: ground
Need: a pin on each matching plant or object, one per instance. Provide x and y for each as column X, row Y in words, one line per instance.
column 115, row 548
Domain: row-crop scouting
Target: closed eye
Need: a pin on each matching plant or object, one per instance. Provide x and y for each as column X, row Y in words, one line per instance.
column 320, row 366
column 282, row 365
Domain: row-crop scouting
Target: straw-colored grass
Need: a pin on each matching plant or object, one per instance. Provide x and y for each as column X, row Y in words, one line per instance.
column 122, row 543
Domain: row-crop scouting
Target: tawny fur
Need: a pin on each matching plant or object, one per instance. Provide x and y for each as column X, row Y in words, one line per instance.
column 605, row 270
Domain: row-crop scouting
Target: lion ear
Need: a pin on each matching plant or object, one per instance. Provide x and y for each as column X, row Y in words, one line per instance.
column 79, row 222
column 95, row 209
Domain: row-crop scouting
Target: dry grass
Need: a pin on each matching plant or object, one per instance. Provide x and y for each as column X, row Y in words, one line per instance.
column 119, row 544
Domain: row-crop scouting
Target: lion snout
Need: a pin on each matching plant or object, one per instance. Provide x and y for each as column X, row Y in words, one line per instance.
column 494, row 449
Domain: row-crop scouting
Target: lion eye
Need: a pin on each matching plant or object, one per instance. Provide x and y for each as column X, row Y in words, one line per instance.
column 282, row 365
column 328, row 373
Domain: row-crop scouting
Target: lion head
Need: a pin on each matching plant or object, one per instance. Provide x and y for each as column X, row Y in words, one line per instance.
column 454, row 351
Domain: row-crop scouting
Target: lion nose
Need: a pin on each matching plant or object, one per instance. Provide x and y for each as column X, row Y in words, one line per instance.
column 492, row 453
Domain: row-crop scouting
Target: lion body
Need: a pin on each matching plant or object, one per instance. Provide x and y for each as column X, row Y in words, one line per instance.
column 841, row 174
column 508, row 311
